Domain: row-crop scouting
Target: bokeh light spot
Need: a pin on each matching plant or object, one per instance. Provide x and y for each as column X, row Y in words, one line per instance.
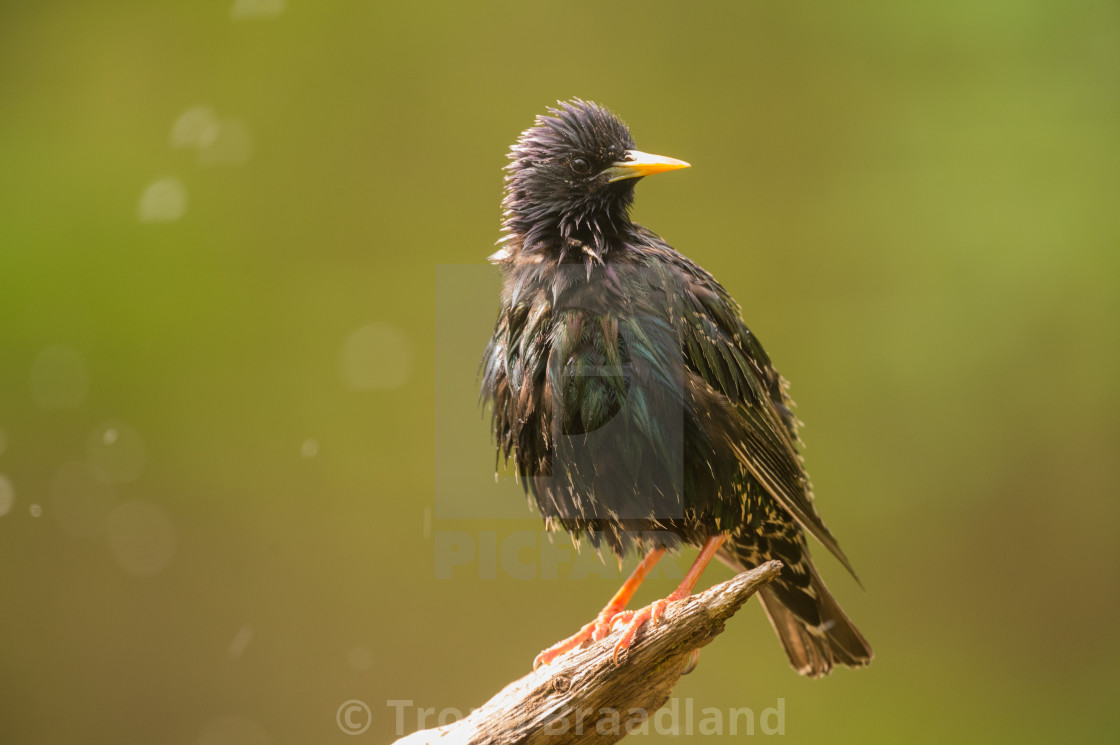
column 7, row 495
column 309, row 448
column 241, row 641
column 232, row 144
column 80, row 501
column 245, row 9
column 36, row 510
column 163, row 201
column 360, row 659
column 376, row 356
column 58, row 378
column 116, row 453
column 196, row 127
column 141, row 538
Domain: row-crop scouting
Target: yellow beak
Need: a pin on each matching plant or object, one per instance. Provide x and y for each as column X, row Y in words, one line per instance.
column 640, row 164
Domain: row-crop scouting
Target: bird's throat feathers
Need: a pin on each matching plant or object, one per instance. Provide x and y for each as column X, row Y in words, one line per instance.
column 594, row 248
column 590, row 230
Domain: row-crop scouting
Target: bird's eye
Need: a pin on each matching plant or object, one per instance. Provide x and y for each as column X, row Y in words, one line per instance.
column 580, row 166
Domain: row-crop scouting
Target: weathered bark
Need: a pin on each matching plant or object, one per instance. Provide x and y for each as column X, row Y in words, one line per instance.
column 585, row 697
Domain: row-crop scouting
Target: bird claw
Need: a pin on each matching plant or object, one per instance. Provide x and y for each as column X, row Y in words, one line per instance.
column 693, row 661
column 597, row 630
column 609, row 620
column 634, row 621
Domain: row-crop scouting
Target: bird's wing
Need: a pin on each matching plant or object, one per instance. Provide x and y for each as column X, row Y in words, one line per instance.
column 720, row 349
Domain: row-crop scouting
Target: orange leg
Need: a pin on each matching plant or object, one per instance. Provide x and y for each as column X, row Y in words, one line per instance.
column 601, row 626
column 654, row 611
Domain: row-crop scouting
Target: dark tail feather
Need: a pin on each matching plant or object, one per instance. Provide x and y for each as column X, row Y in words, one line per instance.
column 813, row 650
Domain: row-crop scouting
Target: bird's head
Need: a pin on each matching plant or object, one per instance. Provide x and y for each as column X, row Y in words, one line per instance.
column 572, row 176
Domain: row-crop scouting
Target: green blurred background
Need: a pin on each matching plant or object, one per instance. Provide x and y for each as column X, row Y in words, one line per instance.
column 243, row 294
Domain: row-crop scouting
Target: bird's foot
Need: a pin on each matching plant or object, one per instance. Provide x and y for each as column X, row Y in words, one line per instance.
column 633, row 619
column 594, row 631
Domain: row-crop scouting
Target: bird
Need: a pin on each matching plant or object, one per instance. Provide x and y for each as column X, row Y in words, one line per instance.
column 633, row 404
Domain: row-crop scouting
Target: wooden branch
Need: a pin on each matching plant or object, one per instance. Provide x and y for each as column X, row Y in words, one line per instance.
column 585, row 697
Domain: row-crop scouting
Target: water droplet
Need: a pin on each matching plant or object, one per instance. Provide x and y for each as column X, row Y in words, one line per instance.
column 309, row 448
column 7, row 495
column 80, row 501
column 243, row 9
column 376, row 356
column 163, row 201
column 116, row 453
column 35, row 510
column 233, row 730
column 360, row 659
column 141, row 538
column 231, row 146
column 58, row 378
column 196, row 127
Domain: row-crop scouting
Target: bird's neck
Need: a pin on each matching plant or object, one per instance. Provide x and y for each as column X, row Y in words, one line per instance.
column 569, row 239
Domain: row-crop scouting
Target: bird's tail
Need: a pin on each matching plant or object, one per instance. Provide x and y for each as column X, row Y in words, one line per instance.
column 813, row 629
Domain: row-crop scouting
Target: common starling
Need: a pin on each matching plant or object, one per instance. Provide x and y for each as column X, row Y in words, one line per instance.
column 639, row 411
